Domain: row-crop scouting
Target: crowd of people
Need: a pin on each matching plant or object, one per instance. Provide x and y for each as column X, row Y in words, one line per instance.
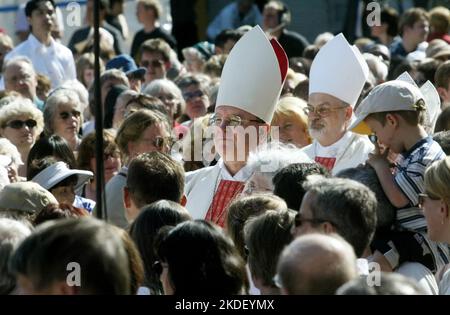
column 252, row 163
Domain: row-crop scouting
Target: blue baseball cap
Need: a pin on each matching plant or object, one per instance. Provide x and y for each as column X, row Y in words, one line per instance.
column 126, row 64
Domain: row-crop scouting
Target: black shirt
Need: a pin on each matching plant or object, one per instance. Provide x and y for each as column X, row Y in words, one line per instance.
column 141, row 37
column 83, row 33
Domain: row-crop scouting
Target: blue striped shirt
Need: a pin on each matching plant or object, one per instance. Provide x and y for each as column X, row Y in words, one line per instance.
column 409, row 176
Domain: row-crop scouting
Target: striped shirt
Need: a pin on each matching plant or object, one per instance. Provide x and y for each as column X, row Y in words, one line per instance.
column 409, row 176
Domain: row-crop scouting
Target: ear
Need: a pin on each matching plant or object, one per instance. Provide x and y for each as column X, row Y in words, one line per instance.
column 328, row 228
column 444, row 210
column 392, row 120
column 348, row 113
column 183, row 200
column 126, row 198
column 443, row 93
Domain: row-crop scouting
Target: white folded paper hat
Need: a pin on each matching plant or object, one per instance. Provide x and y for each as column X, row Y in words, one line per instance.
column 253, row 75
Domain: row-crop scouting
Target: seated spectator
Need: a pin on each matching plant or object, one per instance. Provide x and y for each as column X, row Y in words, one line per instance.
column 21, row 123
column 155, row 56
column 144, row 231
column 439, row 24
column 54, row 146
column 85, row 68
column 195, row 96
column 263, row 253
column 63, row 116
column 19, row 75
column 390, row 284
column 62, row 182
column 304, row 265
column 12, row 233
column 196, row 258
column 126, row 64
column 20, row 201
column 266, row 162
column 151, row 177
column 414, row 30
column 58, row 211
column 244, row 208
column 95, row 246
column 386, row 32
column 12, row 162
column 148, row 13
column 87, row 160
column 292, row 121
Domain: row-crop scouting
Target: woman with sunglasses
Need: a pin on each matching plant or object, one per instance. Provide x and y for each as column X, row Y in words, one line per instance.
column 21, row 123
column 63, row 116
column 435, row 203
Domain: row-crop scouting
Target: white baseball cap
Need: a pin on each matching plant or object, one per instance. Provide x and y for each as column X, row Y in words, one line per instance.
column 59, row 171
column 388, row 97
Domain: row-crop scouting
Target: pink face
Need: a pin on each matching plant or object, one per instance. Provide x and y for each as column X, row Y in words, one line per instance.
column 111, row 164
column 154, row 138
column 67, row 121
column 21, row 131
column 419, row 31
column 155, row 65
column 197, row 102
column 291, row 131
column 385, row 134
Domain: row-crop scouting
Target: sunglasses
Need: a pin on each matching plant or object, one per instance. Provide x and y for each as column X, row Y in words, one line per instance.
column 158, row 267
column 153, row 63
column 191, row 95
column 18, row 124
column 67, row 115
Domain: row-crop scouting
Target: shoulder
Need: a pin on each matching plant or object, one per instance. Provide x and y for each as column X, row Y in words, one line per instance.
column 194, row 175
column 428, row 152
column 21, row 49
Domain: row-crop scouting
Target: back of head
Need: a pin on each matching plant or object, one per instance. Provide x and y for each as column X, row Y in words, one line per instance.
column 155, row 176
column 443, row 121
column 243, row 208
column 288, row 182
column 348, row 205
column 12, row 232
column 92, row 247
column 316, row 264
column 145, row 229
column 437, row 177
column 263, row 252
column 390, row 284
column 56, row 212
column 202, row 260
column 443, row 138
column 366, row 175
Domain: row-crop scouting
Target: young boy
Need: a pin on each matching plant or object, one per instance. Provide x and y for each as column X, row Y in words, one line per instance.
column 394, row 111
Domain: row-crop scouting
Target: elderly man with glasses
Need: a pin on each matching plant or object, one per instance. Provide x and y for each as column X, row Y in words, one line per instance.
column 245, row 105
column 338, row 75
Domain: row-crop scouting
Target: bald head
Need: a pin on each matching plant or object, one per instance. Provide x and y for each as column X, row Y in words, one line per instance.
column 316, row 264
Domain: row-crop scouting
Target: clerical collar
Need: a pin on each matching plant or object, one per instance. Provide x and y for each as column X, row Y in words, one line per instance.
column 242, row 176
column 332, row 150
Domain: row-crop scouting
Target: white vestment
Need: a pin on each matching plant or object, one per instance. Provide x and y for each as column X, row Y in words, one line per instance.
column 202, row 184
column 350, row 151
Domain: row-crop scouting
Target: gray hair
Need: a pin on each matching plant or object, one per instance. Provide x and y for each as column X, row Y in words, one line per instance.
column 16, row 60
column 366, row 175
column 348, row 205
column 58, row 97
column 166, row 86
column 12, row 232
column 114, row 74
column 271, row 157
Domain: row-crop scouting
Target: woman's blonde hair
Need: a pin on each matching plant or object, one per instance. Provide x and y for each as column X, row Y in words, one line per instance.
column 437, row 179
column 292, row 107
column 21, row 107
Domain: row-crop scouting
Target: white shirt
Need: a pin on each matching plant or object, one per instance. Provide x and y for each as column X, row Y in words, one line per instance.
column 55, row 61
